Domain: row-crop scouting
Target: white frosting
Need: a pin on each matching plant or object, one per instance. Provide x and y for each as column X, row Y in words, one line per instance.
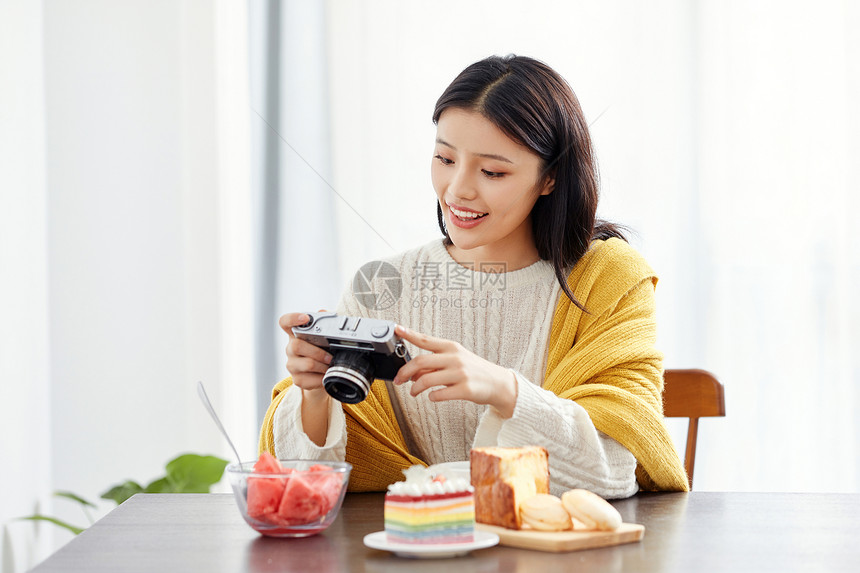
column 419, row 482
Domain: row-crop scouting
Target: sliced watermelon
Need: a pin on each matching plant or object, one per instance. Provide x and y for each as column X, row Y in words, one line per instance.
column 264, row 497
column 267, row 464
column 302, row 497
column 264, row 494
column 328, row 485
column 331, row 489
column 301, row 503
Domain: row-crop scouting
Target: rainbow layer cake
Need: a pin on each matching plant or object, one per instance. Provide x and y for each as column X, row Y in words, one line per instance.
column 429, row 510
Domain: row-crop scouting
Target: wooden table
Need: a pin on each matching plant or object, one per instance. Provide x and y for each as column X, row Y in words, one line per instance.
column 695, row 532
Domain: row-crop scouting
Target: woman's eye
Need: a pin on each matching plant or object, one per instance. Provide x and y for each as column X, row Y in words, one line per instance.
column 492, row 174
column 443, row 160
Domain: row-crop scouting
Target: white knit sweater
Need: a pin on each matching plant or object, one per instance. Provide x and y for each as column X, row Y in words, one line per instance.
column 504, row 317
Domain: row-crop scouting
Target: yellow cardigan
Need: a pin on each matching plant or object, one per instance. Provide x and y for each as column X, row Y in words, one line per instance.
column 604, row 360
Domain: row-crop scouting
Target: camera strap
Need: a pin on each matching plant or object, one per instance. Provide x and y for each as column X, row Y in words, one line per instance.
column 401, row 420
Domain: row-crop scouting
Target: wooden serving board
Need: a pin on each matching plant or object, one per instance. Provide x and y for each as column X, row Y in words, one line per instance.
column 559, row 541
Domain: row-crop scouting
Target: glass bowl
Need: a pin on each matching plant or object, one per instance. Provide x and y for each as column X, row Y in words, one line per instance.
column 299, row 499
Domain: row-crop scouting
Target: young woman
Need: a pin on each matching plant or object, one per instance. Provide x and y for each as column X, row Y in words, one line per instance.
column 529, row 322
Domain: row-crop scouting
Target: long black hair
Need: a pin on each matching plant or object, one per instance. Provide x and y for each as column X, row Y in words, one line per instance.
column 534, row 106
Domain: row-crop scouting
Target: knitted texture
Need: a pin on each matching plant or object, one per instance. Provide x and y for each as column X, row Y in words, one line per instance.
column 376, row 448
column 499, row 316
column 604, row 360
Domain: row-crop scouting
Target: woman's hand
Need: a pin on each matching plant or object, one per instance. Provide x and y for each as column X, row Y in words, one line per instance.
column 463, row 375
column 306, row 364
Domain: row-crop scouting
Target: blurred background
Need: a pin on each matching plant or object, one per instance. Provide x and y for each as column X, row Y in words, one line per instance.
column 174, row 175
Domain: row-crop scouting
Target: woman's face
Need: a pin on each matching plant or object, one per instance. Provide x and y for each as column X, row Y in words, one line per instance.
column 486, row 184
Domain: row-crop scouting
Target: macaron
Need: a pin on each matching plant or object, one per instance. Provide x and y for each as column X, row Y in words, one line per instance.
column 591, row 509
column 545, row 512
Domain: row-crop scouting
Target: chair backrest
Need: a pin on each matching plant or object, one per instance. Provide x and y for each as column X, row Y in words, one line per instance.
column 692, row 394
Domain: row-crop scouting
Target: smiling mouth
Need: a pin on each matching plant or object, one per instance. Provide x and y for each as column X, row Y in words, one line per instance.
column 466, row 215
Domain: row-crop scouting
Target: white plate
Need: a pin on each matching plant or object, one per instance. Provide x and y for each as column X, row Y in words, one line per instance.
column 452, row 470
column 379, row 540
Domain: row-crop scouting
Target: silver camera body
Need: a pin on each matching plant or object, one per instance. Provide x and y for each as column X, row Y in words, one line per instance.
column 363, row 349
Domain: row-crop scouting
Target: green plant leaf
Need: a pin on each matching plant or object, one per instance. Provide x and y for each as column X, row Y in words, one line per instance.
column 161, row 485
column 55, row 521
column 75, row 497
column 121, row 492
column 191, row 473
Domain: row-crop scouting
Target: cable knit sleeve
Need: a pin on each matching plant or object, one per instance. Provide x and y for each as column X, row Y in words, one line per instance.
column 606, row 360
column 599, row 412
column 284, row 419
column 290, row 440
column 580, row 456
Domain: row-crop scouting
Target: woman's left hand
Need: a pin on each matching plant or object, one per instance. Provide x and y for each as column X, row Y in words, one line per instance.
column 458, row 374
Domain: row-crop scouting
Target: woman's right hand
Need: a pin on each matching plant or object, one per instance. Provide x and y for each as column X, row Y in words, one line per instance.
column 306, row 363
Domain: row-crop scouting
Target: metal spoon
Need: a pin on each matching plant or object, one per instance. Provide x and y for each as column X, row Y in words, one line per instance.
column 205, row 399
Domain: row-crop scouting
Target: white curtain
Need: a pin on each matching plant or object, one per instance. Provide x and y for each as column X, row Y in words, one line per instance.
column 297, row 265
column 24, row 349
column 727, row 138
column 125, row 250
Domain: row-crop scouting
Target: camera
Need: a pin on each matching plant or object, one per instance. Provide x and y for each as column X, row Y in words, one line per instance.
column 362, row 349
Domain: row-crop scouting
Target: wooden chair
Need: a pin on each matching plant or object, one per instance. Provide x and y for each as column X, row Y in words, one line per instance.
column 692, row 394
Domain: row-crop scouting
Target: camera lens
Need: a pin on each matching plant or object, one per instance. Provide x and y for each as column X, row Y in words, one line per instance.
column 349, row 377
